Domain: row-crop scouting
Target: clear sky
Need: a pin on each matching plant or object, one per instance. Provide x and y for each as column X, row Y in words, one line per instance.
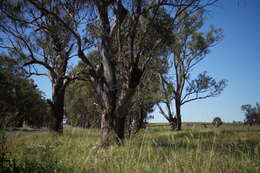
column 236, row 58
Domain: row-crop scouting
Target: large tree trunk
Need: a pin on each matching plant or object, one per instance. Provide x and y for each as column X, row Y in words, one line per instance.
column 107, row 129
column 112, row 128
column 113, row 118
column 58, row 113
column 112, row 124
column 57, row 107
column 114, row 109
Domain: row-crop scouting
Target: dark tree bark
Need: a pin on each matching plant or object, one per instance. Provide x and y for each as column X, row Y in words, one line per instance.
column 120, row 124
column 57, row 107
column 140, row 121
column 178, row 111
column 173, row 122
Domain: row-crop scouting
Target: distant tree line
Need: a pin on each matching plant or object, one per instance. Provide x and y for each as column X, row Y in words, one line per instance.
column 20, row 99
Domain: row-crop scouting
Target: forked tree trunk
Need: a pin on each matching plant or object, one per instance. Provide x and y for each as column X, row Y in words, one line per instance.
column 113, row 118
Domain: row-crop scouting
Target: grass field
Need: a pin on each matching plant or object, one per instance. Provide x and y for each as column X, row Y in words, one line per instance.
column 230, row 148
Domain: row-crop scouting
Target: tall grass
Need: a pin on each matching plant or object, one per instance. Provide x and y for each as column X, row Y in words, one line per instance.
column 152, row 150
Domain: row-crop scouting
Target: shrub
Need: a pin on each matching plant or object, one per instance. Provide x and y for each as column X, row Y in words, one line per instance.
column 217, row 122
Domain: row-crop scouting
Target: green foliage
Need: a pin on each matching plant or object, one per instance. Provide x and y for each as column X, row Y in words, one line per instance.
column 81, row 102
column 146, row 96
column 20, row 100
column 43, row 45
column 189, row 48
column 252, row 113
column 206, row 83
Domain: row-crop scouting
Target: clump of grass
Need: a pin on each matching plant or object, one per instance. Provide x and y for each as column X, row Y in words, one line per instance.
column 151, row 150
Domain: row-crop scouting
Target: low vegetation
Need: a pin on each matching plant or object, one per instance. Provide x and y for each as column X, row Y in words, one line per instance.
column 231, row 148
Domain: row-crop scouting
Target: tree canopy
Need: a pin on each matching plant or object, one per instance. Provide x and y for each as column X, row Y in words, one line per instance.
column 252, row 113
column 20, row 99
column 117, row 40
column 190, row 47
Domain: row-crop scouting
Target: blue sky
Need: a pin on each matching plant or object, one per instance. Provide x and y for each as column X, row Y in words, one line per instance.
column 236, row 58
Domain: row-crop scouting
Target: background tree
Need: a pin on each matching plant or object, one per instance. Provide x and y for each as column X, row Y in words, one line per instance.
column 217, row 122
column 20, row 100
column 42, row 43
column 190, row 47
column 146, row 97
column 252, row 114
column 81, row 102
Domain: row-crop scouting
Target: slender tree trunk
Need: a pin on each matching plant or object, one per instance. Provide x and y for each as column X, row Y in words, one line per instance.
column 178, row 113
column 142, row 117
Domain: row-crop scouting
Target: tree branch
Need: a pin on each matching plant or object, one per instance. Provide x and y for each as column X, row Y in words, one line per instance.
column 162, row 112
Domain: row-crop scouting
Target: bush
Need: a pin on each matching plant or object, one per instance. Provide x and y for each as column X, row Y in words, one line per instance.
column 217, row 122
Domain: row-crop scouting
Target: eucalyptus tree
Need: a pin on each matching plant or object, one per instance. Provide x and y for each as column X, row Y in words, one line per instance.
column 133, row 22
column 42, row 44
column 128, row 34
column 190, row 47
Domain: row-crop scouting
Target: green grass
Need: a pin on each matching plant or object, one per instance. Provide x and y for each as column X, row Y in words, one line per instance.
column 154, row 149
